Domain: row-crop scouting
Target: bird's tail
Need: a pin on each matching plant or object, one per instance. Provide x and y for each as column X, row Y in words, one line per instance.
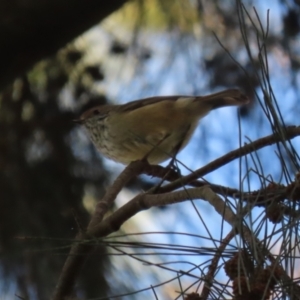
column 231, row 97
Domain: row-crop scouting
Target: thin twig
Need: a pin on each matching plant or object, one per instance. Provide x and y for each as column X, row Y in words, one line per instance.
column 291, row 132
column 209, row 277
column 81, row 248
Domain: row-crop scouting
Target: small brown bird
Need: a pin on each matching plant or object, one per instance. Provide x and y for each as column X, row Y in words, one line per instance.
column 155, row 128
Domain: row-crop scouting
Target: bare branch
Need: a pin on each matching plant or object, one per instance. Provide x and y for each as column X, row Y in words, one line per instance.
column 81, row 248
column 291, row 132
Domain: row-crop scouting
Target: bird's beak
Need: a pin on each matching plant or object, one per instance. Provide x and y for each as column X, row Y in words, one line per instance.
column 78, row 121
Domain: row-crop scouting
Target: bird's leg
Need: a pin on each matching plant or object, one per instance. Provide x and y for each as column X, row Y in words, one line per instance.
column 171, row 167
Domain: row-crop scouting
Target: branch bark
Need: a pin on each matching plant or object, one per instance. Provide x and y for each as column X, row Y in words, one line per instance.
column 291, row 132
column 83, row 245
column 100, row 228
